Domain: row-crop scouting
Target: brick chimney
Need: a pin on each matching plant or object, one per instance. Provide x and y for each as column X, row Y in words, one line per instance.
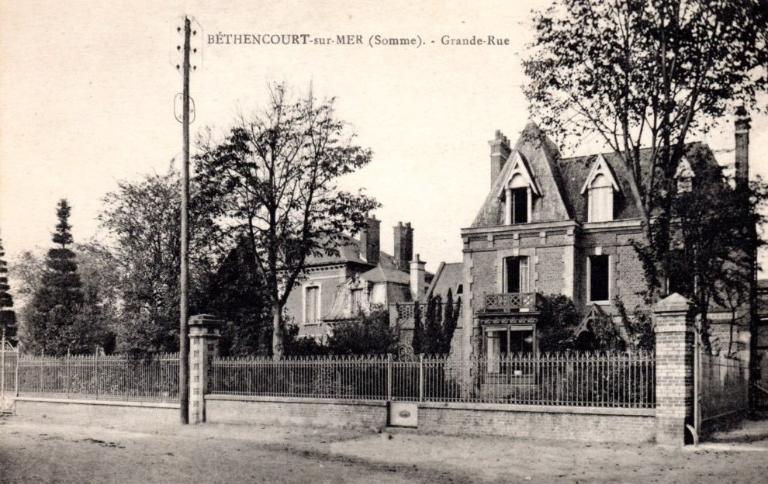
column 741, row 160
column 370, row 244
column 500, row 151
column 403, row 245
column 418, row 284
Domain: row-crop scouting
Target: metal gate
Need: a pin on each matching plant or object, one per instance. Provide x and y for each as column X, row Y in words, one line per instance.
column 721, row 387
column 9, row 358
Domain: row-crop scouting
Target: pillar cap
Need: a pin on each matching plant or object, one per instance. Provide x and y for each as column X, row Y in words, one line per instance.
column 672, row 303
column 205, row 321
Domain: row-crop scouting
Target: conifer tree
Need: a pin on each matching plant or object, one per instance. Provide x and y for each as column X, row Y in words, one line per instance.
column 56, row 303
column 449, row 320
column 433, row 329
column 418, row 330
column 7, row 315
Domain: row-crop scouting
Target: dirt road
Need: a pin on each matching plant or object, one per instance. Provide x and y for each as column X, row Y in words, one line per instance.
column 31, row 451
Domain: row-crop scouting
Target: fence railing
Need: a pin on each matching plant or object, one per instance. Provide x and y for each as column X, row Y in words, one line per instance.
column 723, row 384
column 114, row 377
column 510, row 302
column 624, row 380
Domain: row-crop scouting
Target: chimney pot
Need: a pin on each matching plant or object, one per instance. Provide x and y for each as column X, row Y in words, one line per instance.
column 500, row 151
column 741, row 159
column 370, row 241
column 403, row 235
column 417, row 273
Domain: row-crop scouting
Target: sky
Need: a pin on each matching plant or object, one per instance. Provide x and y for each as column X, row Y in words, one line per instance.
column 87, row 99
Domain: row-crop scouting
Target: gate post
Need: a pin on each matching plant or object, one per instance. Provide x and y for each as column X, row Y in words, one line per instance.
column 204, row 347
column 674, row 334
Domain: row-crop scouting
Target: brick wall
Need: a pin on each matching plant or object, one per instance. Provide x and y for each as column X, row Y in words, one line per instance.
column 296, row 411
column 549, row 270
column 594, row 425
column 585, row 424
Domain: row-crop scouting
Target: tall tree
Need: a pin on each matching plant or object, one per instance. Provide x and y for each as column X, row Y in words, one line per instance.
column 57, row 300
column 7, row 314
column 100, row 312
column 275, row 177
column 712, row 248
column 433, row 327
column 646, row 73
column 450, row 319
column 143, row 220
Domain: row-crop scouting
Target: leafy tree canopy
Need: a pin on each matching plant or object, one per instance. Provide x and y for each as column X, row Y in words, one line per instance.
column 274, row 179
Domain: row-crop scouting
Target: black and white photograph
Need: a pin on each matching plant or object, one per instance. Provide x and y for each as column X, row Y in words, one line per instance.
column 372, row 241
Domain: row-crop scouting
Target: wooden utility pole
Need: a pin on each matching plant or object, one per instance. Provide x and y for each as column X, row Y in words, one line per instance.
column 183, row 279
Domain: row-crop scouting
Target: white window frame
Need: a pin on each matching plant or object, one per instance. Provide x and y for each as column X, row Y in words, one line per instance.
column 518, row 177
column 600, row 208
column 318, row 307
column 684, row 176
column 589, row 278
column 352, row 308
column 525, row 276
column 600, row 167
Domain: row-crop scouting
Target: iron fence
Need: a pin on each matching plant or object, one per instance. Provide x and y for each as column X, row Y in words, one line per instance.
column 625, row 380
column 114, row 377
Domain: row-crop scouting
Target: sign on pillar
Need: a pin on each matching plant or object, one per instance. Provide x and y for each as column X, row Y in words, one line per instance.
column 204, row 332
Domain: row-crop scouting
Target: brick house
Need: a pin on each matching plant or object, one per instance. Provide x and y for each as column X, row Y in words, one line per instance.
column 557, row 225
column 337, row 288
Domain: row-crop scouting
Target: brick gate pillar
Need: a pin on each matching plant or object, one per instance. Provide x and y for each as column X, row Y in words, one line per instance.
column 203, row 348
column 674, row 369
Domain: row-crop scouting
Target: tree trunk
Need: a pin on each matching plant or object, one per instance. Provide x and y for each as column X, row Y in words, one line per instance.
column 277, row 332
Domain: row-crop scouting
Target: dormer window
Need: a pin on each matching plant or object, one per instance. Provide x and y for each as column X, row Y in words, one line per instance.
column 600, row 200
column 600, row 189
column 684, row 176
column 519, row 189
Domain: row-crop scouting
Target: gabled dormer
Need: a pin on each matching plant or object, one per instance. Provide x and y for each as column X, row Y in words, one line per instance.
column 518, row 189
column 525, row 184
column 600, row 189
column 684, row 176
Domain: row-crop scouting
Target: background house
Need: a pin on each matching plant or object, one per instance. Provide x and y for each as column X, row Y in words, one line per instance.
column 337, row 288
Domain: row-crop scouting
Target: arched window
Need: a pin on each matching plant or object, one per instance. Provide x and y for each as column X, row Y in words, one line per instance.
column 600, row 199
column 600, row 188
column 684, row 176
column 516, row 191
column 518, row 200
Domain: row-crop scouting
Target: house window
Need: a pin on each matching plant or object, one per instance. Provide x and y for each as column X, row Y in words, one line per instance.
column 684, row 185
column 460, row 289
column 357, row 301
column 599, row 278
column 516, row 274
column 503, row 343
column 311, row 304
column 519, row 205
column 518, row 201
column 600, row 200
column 684, row 176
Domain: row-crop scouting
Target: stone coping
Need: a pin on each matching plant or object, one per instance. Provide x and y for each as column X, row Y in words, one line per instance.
column 507, row 407
column 494, row 407
column 316, row 401
column 109, row 403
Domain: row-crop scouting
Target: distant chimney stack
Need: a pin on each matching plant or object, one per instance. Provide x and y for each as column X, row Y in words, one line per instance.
column 370, row 244
column 741, row 160
column 418, row 284
column 403, row 245
column 500, row 151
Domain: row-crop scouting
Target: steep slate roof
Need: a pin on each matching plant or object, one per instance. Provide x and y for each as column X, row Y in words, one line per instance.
column 349, row 251
column 448, row 275
column 563, row 178
column 381, row 274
